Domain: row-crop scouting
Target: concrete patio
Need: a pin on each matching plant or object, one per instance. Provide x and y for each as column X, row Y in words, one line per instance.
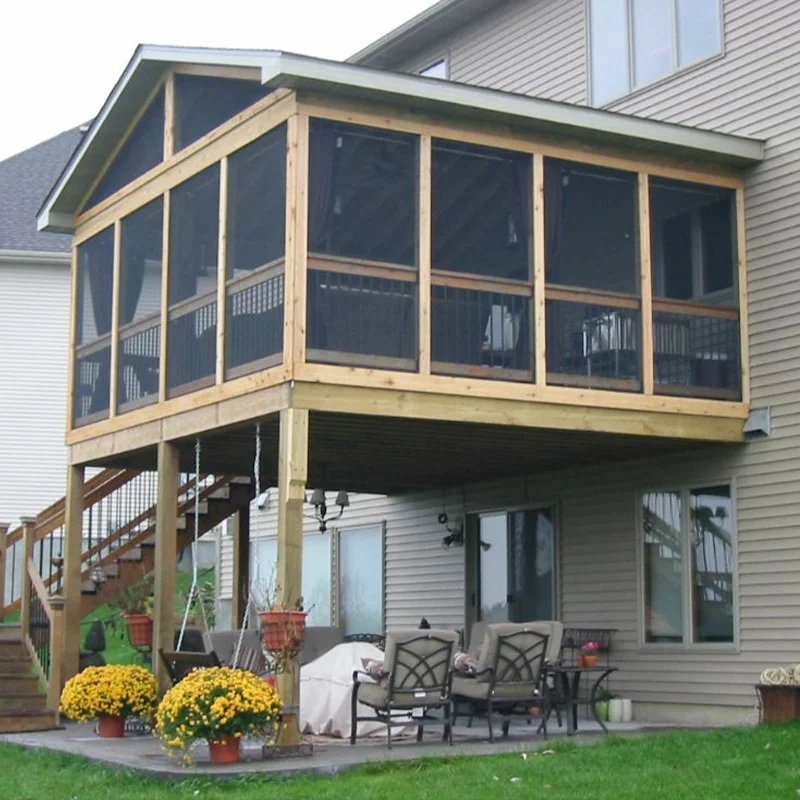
column 330, row 755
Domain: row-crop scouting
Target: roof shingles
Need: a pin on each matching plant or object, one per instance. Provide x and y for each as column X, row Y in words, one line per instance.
column 25, row 180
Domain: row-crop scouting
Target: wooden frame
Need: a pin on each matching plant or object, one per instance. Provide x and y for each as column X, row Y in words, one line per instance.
column 222, row 269
column 115, row 293
column 284, row 106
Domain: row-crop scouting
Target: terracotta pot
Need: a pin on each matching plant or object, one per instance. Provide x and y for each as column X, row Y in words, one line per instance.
column 226, row 750
column 140, row 629
column 589, row 660
column 111, row 727
column 283, row 630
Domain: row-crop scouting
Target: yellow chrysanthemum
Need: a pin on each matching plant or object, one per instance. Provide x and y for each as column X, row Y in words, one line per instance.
column 112, row 690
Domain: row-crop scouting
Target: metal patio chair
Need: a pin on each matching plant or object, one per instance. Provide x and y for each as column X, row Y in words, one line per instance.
column 415, row 678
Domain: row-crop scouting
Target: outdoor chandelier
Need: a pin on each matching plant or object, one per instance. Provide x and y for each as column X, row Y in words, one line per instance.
column 321, row 507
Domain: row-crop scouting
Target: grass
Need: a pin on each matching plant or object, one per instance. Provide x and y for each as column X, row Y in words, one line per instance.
column 741, row 763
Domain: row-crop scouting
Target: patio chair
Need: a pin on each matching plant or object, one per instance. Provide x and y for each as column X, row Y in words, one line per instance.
column 510, row 674
column 180, row 664
column 415, row 678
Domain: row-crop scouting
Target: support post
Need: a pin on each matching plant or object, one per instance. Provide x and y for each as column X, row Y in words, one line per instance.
column 55, row 678
column 292, row 476
column 424, row 228
column 166, row 558
column 73, row 546
column 539, row 275
column 28, row 537
column 646, row 286
column 4, row 526
column 241, row 564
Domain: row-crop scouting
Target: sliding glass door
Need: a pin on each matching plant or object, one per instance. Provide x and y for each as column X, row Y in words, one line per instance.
column 515, row 566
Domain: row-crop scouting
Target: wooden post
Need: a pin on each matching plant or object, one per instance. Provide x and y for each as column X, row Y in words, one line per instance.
column 115, row 292
column 54, row 682
column 424, row 228
column 539, row 277
column 744, row 332
column 4, row 526
column 241, row 564
column 222, row 271
column 292, row 476
column 73, row 546
column 166, row 561
column 162, row 355
column 169, row 116
column 646, row 285
column 28, row 539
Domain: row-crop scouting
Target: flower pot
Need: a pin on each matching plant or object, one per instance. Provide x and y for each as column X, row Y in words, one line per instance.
column 283, row 630
column 779, row 703
column 140, row 629
column 111, row 727
column 225, row 750
column 615, row 710
column 589, row 659
column 601, row 706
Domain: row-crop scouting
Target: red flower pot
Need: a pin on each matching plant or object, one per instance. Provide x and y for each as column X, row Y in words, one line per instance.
column 283, row 630
column 226, row 750
column 140, row 629
column 590, row 659
column 111, row 727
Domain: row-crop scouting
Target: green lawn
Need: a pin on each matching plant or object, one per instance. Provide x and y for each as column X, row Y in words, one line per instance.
column 738, row 764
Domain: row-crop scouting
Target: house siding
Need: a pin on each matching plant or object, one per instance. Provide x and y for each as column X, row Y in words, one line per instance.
column 34, row 325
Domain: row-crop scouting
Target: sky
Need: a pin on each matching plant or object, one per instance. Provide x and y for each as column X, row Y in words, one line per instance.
column 59, row 61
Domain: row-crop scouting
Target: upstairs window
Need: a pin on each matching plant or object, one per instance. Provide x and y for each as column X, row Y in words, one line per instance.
column 436, row 70
column 636, row 42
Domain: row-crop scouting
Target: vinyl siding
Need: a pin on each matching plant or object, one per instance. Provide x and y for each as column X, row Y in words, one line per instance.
column 34, row 312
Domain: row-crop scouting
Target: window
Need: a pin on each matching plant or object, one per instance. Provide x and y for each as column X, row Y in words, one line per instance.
column 436, row 70
column 636, row 42
column 688, row 554
column 361, row 580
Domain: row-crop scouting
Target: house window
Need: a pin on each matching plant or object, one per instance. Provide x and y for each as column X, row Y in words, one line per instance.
column 688, row 553
column 636, row 42
column 361, row 580
column 436, row 70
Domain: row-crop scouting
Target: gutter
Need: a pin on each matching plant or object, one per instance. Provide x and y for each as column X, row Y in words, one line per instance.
column 39, row 258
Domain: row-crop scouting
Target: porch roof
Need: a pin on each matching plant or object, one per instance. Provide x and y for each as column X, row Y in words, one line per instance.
column 411, row 92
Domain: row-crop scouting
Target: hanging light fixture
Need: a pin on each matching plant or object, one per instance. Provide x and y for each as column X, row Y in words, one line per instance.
column 321, row 509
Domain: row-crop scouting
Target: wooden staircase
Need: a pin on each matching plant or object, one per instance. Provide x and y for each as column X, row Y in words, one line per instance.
column 28, row 678
column 23, row 701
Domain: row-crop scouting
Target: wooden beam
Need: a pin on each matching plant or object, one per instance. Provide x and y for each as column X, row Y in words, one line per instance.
column 240, row 537
column 162, row 356
column 744, row 327
column 292, row 476
column 425, row 234
column 351, row 399
column 166, row 561
column 73, row 335
column 296, row 280
column 238, row 131
column 209, row 71
column 4, row 526
column 115, row 292
column 646, row 285
column 539, row 272
column 169, row 116
column 222, row 258
column 489, row 134
column 73, row 542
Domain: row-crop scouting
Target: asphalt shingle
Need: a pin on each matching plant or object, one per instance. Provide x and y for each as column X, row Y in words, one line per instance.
column 25, row 180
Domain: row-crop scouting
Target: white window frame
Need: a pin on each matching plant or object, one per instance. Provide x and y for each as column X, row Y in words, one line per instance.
column 443, row 59
column 687, row 645
column 677, row 69
column 336, row 604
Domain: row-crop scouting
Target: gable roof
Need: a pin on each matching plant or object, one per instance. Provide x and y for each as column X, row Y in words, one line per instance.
column 405, row 91
column 25, row 180
column 420, row 31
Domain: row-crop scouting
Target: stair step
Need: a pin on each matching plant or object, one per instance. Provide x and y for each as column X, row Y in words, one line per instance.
column 21, row 722
column 14, row 682
column 20, row 666
column 134, row 554
column 10, row 632
column 9, row 649
column 12, row 703
column 223, row 493
column 202, row 508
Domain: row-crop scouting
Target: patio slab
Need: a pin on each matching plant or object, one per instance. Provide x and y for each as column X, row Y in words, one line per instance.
column 330, row 755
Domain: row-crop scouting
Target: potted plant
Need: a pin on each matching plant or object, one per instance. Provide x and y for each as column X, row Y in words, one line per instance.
column 588, row 655
column 604, row 697
column 778, row 693
column 135, row 601
column 282, row 628
column 219, row 705
column 110, row 694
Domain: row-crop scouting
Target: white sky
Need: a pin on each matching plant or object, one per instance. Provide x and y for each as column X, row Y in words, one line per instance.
column 59, row 60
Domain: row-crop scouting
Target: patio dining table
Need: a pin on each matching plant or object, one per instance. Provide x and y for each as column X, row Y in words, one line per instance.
column 567, row 678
